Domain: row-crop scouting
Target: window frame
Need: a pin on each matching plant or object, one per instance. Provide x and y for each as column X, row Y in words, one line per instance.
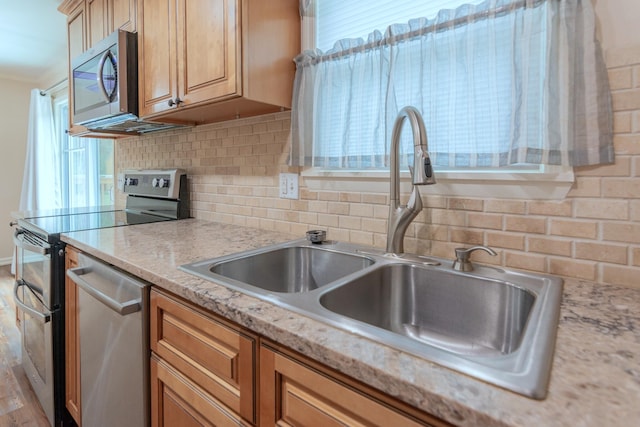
column 60, row 102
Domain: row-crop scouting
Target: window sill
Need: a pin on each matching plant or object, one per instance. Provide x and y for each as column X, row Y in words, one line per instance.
column 527, row 185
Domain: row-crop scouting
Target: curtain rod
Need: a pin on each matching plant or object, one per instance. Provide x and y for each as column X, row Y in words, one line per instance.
column 55, row 86
column 434, row 27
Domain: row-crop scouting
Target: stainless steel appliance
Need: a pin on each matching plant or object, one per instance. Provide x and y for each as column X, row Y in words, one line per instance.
column 114, row 345
column 152, row 196
column 42, row 331
column 105, row 87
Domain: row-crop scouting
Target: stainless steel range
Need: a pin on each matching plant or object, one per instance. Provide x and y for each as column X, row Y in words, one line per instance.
column 152, row 196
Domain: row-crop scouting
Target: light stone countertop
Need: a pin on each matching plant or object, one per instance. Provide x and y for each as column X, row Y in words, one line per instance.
column 595, row 378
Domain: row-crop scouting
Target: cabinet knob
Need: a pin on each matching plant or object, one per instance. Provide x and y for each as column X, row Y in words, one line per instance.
column 173, row 102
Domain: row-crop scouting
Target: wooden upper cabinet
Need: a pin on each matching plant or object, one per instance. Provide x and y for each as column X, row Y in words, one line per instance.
column 201, row 61
column 121, row 14
column 76, row 43
column 157, row 62
column 96, row 21
column 102, row 17
column 188, row 52
column 208, row 37
column 76, row 31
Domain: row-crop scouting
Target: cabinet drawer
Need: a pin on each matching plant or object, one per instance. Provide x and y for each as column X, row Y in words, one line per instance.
column 176, row 401
column 295, row 391
column 211, row 352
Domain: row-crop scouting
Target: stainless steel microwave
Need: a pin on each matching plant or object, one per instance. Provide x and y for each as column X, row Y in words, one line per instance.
column 105, row 81
column 105, row 87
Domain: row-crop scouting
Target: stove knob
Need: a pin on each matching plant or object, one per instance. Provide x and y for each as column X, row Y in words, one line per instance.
column 155, row 182
column 164, row 182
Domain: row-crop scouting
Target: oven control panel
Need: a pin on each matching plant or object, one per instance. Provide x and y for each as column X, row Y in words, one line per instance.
column 153, row 183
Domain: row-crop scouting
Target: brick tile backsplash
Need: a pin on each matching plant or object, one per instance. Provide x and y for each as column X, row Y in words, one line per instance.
column 621, row 78
column 573, row 268
column 623, row 122
column 506, row 240
column 604, row 252
column 549, row 245
column 592, row 234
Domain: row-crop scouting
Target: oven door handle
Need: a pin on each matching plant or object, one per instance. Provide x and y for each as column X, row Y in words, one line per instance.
column 124, row 308
column 18, row 239
column 43, row 317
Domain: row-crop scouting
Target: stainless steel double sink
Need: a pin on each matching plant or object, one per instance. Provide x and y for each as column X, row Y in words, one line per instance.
column 493, row 324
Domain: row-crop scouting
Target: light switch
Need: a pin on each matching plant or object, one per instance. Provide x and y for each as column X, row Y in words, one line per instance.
column 288, row 186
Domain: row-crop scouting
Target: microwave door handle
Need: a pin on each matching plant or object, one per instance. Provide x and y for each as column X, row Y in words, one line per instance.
column 100, row 75
column 43, row 317
column 19, row 241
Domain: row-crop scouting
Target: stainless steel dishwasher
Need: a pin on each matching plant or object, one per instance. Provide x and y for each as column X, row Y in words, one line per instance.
column 114, row 345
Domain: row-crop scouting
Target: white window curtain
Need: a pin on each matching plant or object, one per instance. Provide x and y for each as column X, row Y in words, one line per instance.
column 42, row 180
column 60, row 171
column 500, row 83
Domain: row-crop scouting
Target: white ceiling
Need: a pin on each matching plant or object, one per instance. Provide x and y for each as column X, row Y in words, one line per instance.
column 33, row 39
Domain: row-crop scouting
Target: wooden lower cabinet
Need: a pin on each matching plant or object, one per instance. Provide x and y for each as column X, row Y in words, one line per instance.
column 200, row 357
column 178, row 402
column 72, row 344
column 296, row 391
column 205, row 371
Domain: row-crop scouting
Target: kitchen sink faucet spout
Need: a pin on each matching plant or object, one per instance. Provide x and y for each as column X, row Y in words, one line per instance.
column 422, row 174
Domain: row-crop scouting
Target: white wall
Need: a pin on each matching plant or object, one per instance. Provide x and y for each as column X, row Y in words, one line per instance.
column 14, row 114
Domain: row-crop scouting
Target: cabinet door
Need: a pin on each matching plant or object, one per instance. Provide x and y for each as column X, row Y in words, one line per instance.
column 211, row 353
column 176, row 401
column 298, row 392
column 122, row 15
column 96, row 21
column 72, row 347
column 76, row 31
column 76, row 43
column 157, row 62
column 208, row 50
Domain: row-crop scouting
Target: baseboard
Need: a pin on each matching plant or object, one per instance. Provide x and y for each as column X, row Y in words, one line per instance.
column 6, row 261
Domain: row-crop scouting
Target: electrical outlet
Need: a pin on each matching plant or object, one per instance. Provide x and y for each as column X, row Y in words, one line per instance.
column 288, row 186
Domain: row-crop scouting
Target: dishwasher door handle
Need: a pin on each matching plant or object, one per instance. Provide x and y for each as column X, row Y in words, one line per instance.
column 122, row 308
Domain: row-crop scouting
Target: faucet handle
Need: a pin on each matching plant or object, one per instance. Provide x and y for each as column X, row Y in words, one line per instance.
column 462, row 262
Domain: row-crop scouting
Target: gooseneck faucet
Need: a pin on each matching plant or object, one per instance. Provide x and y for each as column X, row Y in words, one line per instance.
column 422, row 174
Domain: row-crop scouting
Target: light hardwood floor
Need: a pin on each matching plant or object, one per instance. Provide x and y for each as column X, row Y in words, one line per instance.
column 19, row 406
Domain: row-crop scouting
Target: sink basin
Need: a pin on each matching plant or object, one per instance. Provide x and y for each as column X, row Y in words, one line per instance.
column 289, row 269
column 292, row 269
column 493, row 324
column 458, row 313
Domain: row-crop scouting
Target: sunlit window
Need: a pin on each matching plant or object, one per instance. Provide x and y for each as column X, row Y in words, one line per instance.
column 87, row 165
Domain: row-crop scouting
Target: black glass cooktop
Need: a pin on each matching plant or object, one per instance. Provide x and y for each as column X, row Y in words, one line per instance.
column 54, row 225
column 64, row 211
